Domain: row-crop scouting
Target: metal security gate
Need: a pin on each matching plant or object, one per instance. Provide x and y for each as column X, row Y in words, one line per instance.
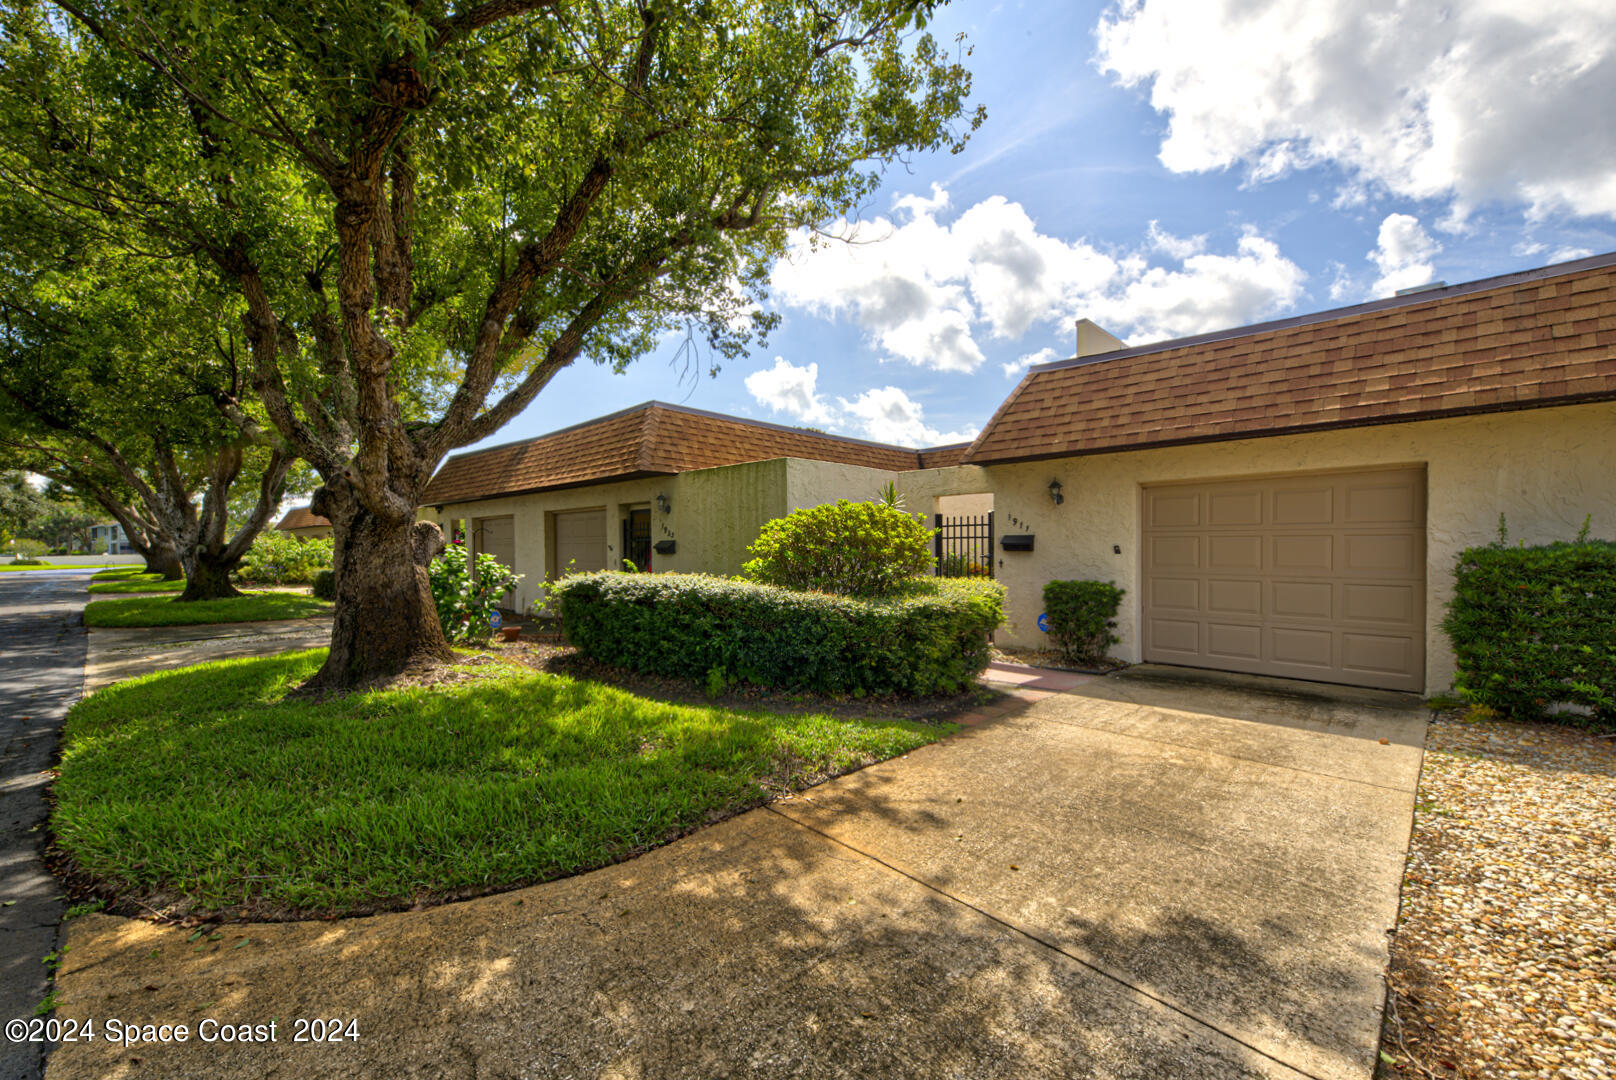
column 964, row 545
column 637, row 540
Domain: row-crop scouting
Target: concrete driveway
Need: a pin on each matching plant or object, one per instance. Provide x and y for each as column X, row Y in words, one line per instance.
column 1142, row 877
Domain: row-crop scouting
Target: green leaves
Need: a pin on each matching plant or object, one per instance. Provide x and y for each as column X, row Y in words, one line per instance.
column 1082, row 615
column 854, row 549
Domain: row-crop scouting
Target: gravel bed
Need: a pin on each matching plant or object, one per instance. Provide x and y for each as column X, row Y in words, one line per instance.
column 1504, row 962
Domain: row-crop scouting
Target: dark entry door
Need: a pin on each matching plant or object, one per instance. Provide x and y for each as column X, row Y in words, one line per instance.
column 637, row 539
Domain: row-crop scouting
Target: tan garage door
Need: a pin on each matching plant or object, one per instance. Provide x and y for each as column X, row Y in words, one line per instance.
column 1307, row 577
column 497, row 537
column 580, row 541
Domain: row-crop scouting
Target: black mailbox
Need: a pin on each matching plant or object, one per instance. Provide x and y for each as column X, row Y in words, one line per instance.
column 1016, row 542
column 665, row 547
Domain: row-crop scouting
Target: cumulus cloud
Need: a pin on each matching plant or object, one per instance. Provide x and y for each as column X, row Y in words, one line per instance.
column 885, row 414
column 1469, row 102
column 929, row 292
column 1016, row 368
column 1403, row 253
column 790, row 389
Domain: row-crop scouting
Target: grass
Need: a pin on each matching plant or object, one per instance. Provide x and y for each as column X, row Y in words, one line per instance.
column 161, row 611
column 123, row 583
column 205, row 782
column 8, row 568
column 114, row 572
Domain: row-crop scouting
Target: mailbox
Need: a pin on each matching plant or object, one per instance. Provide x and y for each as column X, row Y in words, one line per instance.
column 1016, row 542
column 665, row 547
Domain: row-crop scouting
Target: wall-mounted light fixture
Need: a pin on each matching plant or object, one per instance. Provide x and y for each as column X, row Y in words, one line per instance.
column 1055, row 495
column 662, row 503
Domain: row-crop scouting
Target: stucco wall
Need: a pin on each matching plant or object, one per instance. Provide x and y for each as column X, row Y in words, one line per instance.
column 1542, row 468
column 719, row 511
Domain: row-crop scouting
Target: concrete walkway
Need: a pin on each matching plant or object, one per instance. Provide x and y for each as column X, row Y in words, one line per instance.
column 122, row 652
column 1135, row 877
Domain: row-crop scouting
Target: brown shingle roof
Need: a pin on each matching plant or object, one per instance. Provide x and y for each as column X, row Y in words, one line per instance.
column 1545, row 337
column 653, row 439
column 301, row 517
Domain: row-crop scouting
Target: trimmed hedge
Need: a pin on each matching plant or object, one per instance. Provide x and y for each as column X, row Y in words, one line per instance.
column 855, row 549
column 932, row 638
column 1082, row 615
column 325, row 585
column 1532, row 626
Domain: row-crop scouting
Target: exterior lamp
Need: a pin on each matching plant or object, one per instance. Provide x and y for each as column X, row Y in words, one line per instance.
column 662, row 503
column 1055, row 495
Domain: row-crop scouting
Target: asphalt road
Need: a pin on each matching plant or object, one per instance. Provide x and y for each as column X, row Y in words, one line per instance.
column 41, row 673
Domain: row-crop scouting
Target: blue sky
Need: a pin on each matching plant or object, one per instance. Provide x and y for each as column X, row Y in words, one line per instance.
column 1169, row 167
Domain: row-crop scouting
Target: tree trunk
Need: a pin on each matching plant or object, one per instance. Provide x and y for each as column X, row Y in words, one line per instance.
column 162, row 559
column 386, row 622
column 207, row 579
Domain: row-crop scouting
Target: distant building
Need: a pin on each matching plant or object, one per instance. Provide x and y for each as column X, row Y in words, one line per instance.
column 304, row 523
column 109, row 539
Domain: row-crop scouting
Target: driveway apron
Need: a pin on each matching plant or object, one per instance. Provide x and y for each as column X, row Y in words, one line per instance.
column 41, row 672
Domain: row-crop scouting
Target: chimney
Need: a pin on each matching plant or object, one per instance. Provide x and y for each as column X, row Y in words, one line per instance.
column 1093, row 341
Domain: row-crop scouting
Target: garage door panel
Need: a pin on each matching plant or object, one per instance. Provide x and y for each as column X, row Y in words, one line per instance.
column 1391, row 654
column 1379, row 603
column 1172, row 511
column 1295, row 645
column 1234, row 597
column 1317, row 577
column 1304, row 506
column 1174, row 553
column 1175, row 636
column 1175, row 594
column 1304, row 554
column 1302, row 600
column 580, row 541
column 1234, row 641
column 1235, row 508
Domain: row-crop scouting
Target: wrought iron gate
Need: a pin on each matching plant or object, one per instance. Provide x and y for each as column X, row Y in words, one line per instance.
column 964, row 545
column 637, row 539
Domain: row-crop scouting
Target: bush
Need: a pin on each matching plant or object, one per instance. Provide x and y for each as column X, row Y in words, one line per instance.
column 325, row 585
column 932, row 638
column 465, row 606
column 852, row 549
column 1533, row 626
column 278, row 558
column 1082, row 615
column 23, row 548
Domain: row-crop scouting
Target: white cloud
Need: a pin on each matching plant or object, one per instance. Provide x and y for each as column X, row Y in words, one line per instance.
column 789, row 389
column 886, row 414
column 1468, row 102
column 1016, row 368
column 1566, row 254
column 927, row 292
column 1403, row 254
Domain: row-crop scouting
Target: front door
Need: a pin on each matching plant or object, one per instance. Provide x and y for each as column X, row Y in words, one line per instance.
column 637, row 539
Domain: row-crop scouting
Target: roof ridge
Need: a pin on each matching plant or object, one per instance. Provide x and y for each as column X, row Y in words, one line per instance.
column 1386, row 303
column 648, row 433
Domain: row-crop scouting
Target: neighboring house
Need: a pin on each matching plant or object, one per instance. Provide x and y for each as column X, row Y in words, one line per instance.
column 302, row 522
column 668, row 488
column 1287, row 498
column 109, row 539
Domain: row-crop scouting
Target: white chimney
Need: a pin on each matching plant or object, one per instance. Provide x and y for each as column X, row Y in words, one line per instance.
column 1092, row 340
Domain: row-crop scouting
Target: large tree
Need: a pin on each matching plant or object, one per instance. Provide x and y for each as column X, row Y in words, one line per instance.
column 429, row 209
column 119, row 383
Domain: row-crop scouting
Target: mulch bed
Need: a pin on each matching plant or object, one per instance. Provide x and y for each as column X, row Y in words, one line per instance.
column 550, row 655
column 1504, row 962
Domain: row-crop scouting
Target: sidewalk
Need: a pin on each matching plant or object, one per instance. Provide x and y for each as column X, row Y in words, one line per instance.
column 122, row 652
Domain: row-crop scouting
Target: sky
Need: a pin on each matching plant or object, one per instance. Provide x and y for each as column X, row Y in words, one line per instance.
column 1167, row 168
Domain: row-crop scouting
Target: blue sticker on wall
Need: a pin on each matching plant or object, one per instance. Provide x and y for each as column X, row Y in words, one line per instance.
column 494, row 619
column 1043, row 622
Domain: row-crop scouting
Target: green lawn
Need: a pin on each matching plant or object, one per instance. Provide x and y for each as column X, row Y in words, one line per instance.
column 115, row 572
column 8, row 568
column 162, row 611
column 205, row 782
column 136, row 583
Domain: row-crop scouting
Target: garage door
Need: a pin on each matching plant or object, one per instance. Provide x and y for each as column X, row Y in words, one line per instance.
column 1306, row 577
column 580, row 541
column 497, row 537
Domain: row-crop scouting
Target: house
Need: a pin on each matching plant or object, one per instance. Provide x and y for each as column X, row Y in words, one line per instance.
column 108, row 538
column 667, row 487
column 304, row 523
column 1286, row 498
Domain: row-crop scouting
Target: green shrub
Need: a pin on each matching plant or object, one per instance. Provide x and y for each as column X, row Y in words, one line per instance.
column 23, row 548
column 23, row 560
column 465, row 606
column 1082, row 615
column 1533, row 626
column 851, row 549
column 931, row 638
column 278, row 558
column 325, row 585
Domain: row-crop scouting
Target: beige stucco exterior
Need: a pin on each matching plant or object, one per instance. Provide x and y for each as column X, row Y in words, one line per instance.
column 1544, row 469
